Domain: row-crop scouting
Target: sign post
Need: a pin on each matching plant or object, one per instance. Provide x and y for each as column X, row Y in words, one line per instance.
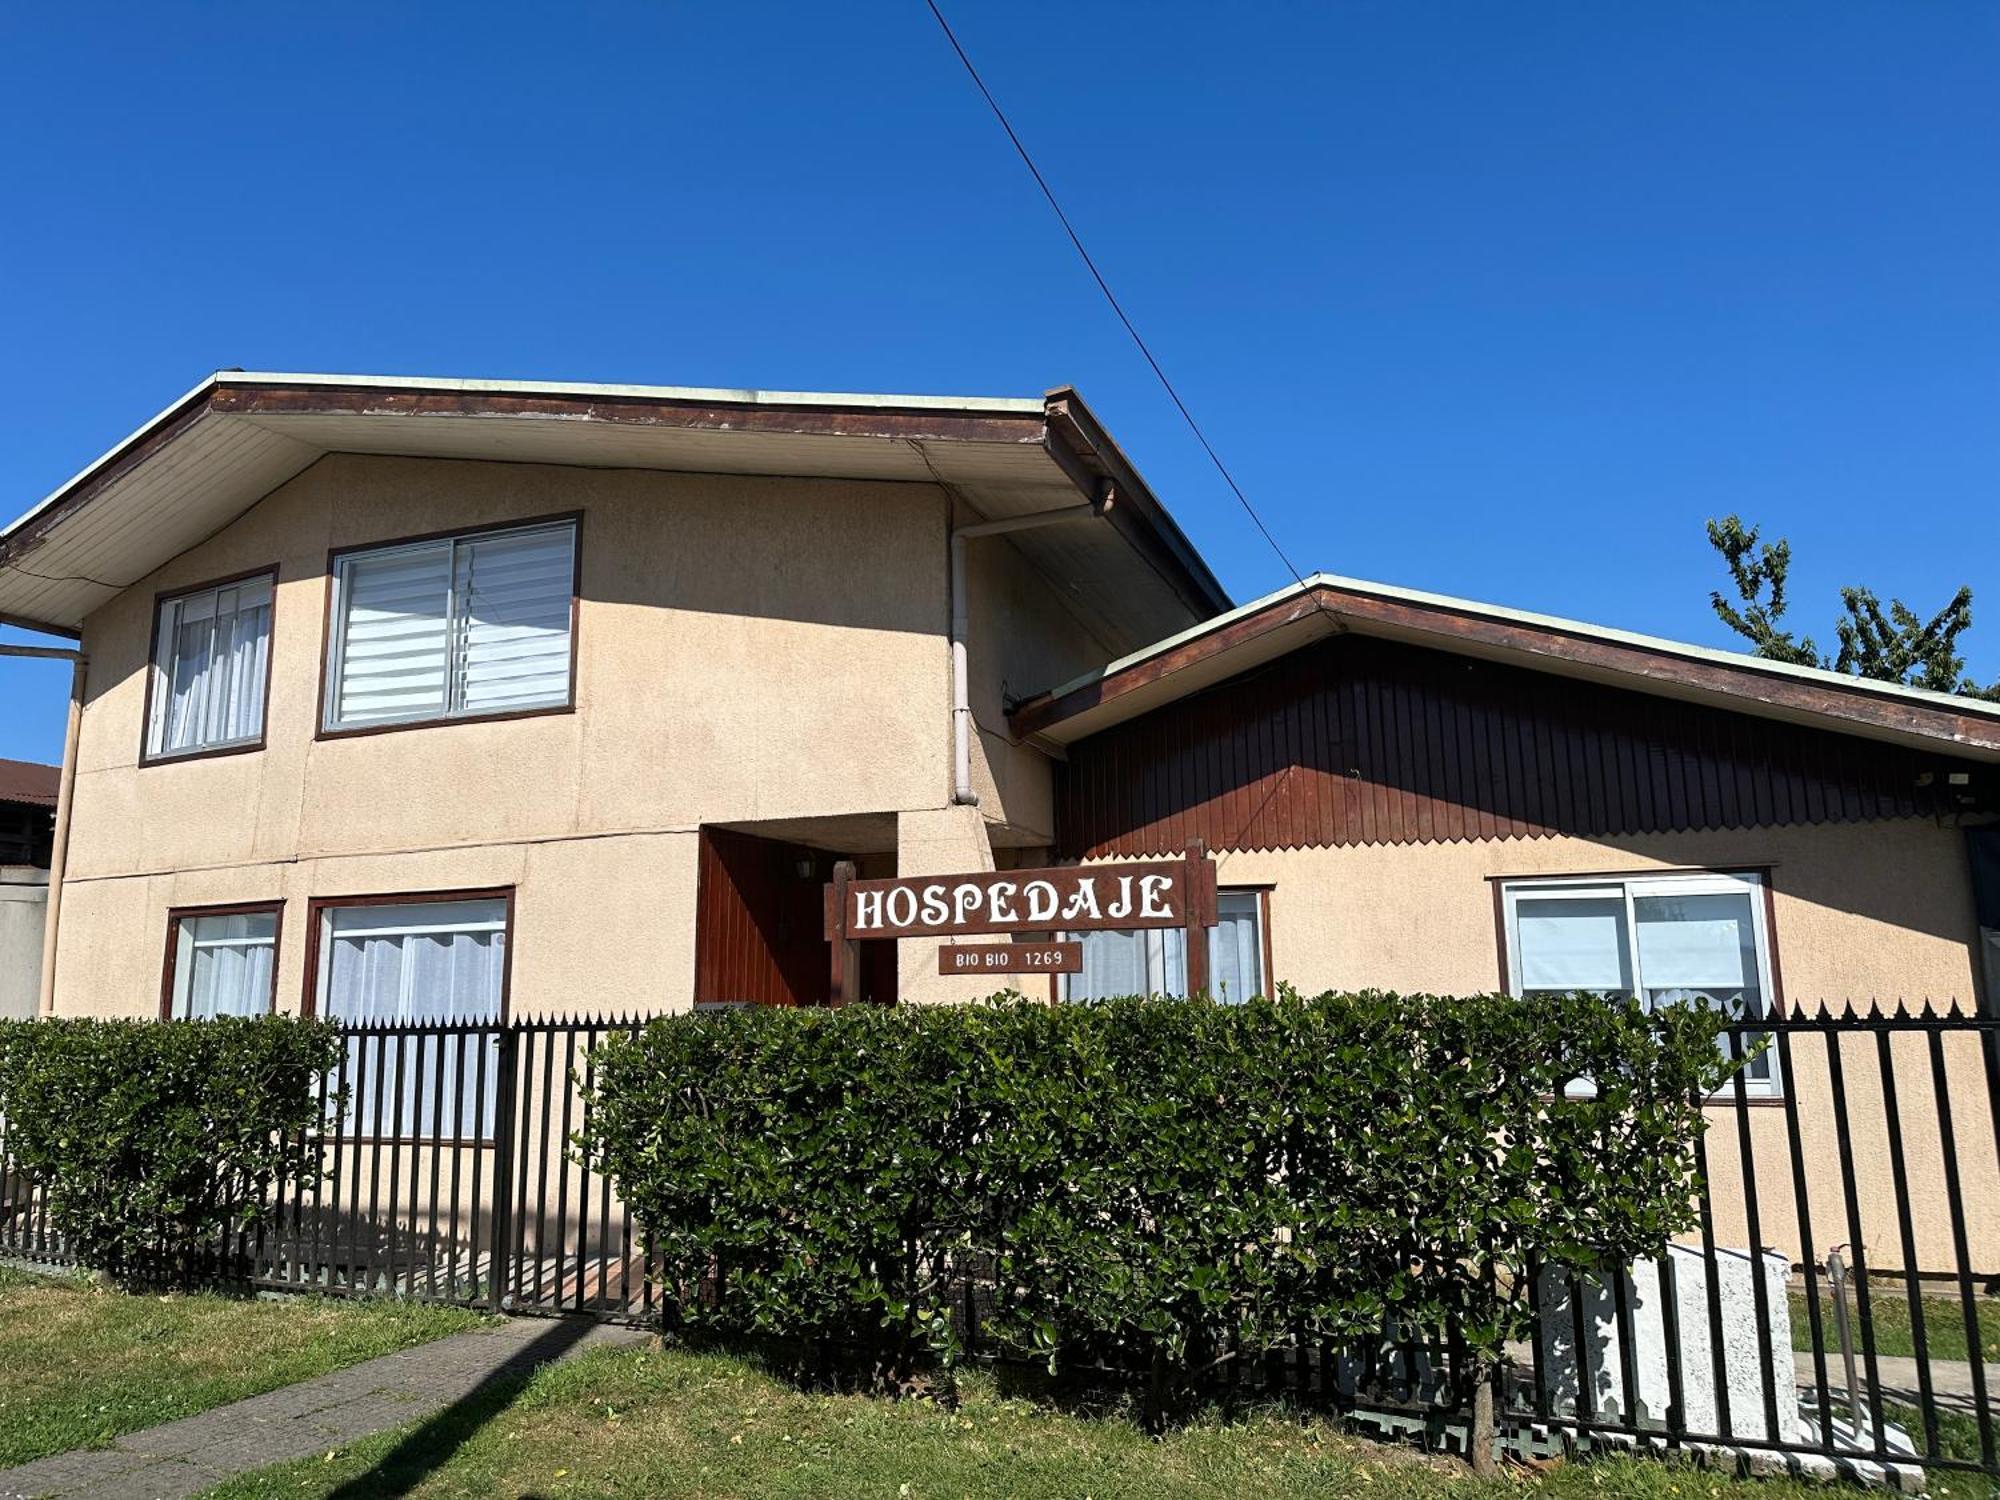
column 1068, row 898
column 846, row 952
column 1201, row 915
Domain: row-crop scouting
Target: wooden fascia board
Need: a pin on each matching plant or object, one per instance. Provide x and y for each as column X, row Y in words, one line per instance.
column 1446, row 629
column 805, row 421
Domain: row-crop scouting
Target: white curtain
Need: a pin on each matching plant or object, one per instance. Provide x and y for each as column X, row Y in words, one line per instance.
column 214, row 654
column 1146, row 961
column 1236, row 948
column 428, row 963
column 1153, row 961
column 1114, row 963
column 223, row 965
column 461, row 626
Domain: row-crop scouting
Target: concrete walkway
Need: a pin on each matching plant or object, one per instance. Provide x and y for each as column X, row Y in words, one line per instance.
column 183, row 1458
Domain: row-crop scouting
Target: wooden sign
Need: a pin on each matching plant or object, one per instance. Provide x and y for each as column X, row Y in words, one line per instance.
column 1071, row 898
column 1011, row 958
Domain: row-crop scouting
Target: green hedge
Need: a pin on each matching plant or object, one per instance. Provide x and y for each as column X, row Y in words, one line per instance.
column 149, row 1139
column 1161, row 1184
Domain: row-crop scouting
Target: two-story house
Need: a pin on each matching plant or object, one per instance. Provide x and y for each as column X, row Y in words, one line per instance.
column 440, row 696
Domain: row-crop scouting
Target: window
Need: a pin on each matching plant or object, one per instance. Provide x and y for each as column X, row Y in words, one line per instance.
column 1665, row 940
column 459, row 627
column 425, row 963
column 211, row 661
column 220, row 962
column 1153, row 961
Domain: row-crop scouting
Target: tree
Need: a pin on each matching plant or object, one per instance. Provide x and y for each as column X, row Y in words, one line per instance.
column 1893, row 645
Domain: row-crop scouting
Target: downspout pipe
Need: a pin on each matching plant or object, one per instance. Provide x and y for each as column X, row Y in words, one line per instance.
column 962, row 794
column 65, row 798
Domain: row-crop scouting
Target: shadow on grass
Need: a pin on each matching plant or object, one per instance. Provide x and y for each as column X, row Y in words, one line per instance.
column 1080, row 1390
column 430, row 1445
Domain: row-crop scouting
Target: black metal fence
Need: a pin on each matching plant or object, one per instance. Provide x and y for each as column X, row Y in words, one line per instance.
column 1839, row 1306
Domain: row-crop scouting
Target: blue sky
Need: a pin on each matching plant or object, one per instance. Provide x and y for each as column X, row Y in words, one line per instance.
column 1502, row 300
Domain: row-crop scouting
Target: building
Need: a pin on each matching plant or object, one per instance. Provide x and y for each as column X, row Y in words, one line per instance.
column 683, row 649
column 27, row 825
column 469, row 698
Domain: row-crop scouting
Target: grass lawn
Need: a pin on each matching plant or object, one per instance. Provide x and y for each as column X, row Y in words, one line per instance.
column 80, row 1365
column 1958, row 1437
column 637, row 1422
column 1889, row 1317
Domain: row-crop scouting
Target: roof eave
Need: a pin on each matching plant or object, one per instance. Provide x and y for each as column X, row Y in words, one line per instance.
column 1321, row 606
column 1135, row 511
column 1057, row 424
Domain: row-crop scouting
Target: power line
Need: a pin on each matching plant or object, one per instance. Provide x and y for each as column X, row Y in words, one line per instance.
column 1111, row 297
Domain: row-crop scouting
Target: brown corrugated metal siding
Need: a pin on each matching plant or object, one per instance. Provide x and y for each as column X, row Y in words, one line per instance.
column 1363, row 741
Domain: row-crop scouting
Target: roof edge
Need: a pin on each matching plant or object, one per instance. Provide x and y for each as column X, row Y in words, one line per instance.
column 199, row 394
column 1058, row 423
column 1137, row 513
column 166, row 417
column 667, row 394
column 1860, row 702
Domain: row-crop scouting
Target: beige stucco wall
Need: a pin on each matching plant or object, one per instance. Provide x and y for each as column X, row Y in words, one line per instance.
column 749, row 649
column 1859, row 912
column 1024, row 638
column 23, row 904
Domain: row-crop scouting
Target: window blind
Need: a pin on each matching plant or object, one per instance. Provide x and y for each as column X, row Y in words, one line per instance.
column 1695, row 942
column 395, row 635
column 1573, row 944
column 460, row 626
column 515, row 601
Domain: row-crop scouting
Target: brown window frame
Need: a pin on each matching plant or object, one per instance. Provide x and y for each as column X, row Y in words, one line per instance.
column 317, row 906
column 160, row 600
column 1261, row 889
column 177, row 914
column 309, row 1002
column 333, row 558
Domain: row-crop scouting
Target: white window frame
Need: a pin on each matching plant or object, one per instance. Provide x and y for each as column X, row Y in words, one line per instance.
column 1155, row 939
column 1631, row 888
column 336, row 644
column 167, row 616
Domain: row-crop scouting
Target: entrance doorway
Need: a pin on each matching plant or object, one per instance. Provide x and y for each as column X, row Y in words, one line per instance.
column 760, row 931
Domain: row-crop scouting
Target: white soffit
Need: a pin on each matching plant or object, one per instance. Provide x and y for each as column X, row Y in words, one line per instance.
column 221, row 463
column 201, row 482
